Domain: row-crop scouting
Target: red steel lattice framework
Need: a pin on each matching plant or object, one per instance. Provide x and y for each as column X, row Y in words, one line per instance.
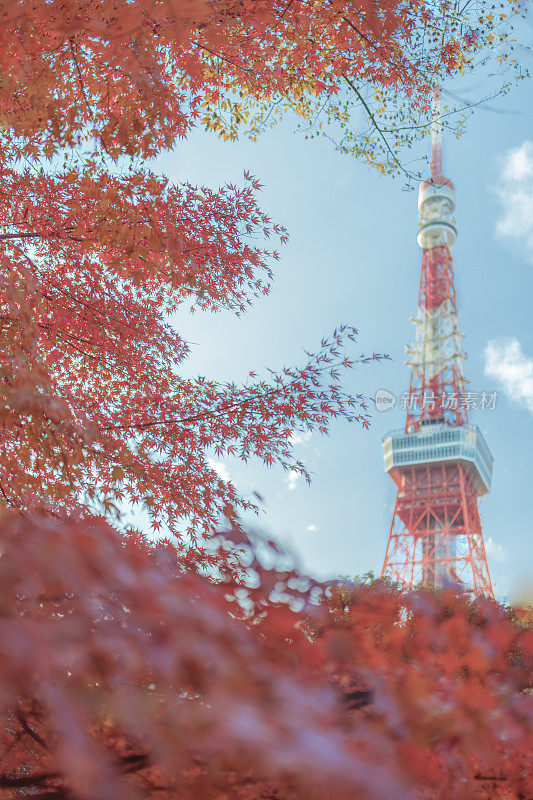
column 440, row 464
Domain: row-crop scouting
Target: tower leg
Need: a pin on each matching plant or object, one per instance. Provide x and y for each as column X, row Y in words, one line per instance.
column 435, row 537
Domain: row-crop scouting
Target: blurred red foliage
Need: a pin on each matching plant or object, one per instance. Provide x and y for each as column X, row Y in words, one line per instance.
column 126, row 674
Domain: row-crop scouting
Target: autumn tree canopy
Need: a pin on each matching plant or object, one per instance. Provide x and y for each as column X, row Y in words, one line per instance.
column 97, row 250
column 134, row 77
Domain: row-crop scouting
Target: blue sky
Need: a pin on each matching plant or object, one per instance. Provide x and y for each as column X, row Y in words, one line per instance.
column 353, row 257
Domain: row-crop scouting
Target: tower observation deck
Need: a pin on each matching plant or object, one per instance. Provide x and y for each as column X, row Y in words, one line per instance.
column 440, row 463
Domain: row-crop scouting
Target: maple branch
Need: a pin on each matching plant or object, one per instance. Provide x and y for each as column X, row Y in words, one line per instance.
column 224, row 58
column 289, row 4
column 80, row 78
column 376, row 126
column 29, row 730
column 491, row 778
column 44, row 236
column 134, row 762
column 131, row 764
column 16, row 739
column 194, row 418
column 6, row 498
column 96, row 313
column 232, row 406
column 37, row 779
column 378, row 48
column 417, row 71
column 358, row 698
column 69, row 341
column 20, row 235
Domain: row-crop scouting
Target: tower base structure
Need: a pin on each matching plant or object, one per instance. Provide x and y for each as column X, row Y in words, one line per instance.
column 435, row 537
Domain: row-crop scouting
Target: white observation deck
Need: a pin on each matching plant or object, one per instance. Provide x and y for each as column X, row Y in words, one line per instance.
column 434, row 444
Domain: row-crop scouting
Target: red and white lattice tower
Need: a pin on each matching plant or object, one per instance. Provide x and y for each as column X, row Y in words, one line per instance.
column 440, row 463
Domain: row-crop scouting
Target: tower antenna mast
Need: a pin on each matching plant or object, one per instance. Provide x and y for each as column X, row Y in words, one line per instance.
column 436, row 136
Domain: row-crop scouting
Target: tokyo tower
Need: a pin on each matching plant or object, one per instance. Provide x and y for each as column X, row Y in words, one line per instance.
column 439, row 462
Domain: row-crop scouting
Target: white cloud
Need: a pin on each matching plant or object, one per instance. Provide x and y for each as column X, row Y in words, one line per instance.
column 495, row 551
column 312, row 528
column 508, row 364
column 220, row 468
column 519, row 163
column 297, row 437
column 515, row 191
column 292, row 479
